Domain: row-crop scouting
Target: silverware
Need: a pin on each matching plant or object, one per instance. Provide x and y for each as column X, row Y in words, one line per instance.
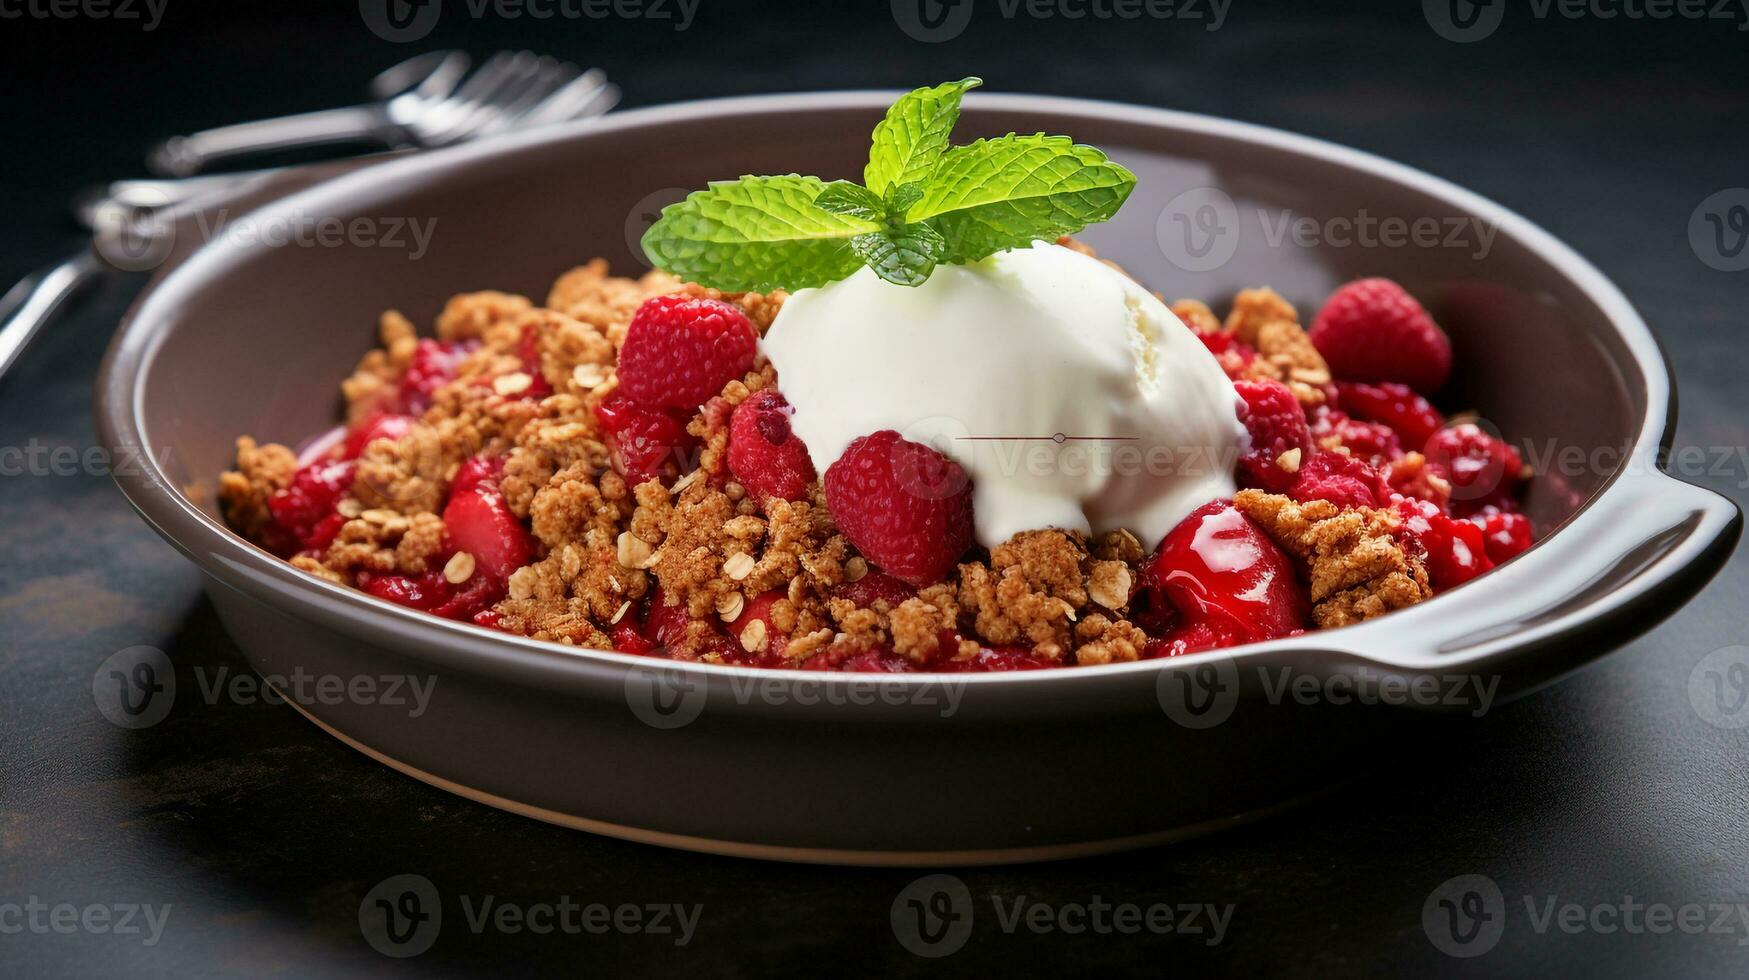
column 426, row 102
column 131, row 219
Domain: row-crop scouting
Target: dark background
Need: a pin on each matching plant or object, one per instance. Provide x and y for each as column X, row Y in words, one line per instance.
column 263, row 834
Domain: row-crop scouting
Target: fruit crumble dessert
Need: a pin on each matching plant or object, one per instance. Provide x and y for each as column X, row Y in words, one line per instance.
column 903, row 425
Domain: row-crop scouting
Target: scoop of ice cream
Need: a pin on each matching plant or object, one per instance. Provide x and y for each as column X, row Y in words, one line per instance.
column 1071, row 396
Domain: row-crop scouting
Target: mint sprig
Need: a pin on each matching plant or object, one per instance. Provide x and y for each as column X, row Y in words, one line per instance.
column 922, row 203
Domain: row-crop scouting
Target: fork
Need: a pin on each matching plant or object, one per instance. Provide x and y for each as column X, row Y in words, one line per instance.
column 138, row 212
column 426, row 102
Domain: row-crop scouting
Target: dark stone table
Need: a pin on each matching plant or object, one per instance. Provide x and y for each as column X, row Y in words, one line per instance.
column 260, row 835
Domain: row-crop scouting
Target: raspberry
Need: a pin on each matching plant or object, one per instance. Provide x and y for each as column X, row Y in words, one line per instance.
column 648, row 443
column 1482, row 470
column 314, row 491
column 1342, row 480
column 679, row 351
column 1454, row 549
column 1409, row 415
column 1506, row 535
column 765, row 456
column 1371, row 441
column 859, row 657
column 906, row 507
column 1225, row 578
column 480, row 523
column 1372, row 330
column 1273, row 417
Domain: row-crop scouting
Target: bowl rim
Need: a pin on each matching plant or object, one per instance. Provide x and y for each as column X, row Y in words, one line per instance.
column 237, row 563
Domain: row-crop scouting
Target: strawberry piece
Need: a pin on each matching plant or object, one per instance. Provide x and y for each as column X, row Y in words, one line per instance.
column 628, row 638
column 1342, row 480
column 314, row 491
column 528, row 348
column 679, row 350
column 1412, row 417
column 476, row 470
column 648, row 443
column 863, row 659
column 765, row 456
column 1483, row 471
column 759, row 608
column 480, row 523
column 1455, row 551
column 1373, row 330
column 1225, row 578
column 906, row 507
column 1276, row 423
column 388, row 425
column 1505, row 535
column 434, row 594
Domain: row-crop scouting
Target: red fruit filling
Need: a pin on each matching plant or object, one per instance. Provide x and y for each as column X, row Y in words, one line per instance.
column 433, row 366
column 480, row 523
column 1412, row 417
column 1505, row 535
column 648, row 443
column 1482, row 470
column 1455, row 551
column 389, row 425
column 310, row 498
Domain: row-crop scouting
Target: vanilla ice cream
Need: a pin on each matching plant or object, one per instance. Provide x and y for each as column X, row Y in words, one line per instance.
column 1072, row 397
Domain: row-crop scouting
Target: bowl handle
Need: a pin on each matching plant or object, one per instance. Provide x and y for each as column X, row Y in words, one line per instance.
column 1612, row 572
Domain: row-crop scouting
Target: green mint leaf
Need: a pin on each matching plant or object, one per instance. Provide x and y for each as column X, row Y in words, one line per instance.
column 911, row 139
column 1008, row 192
column 756, row 234
column 901, row 197
column 852, row 200
column 904, row 257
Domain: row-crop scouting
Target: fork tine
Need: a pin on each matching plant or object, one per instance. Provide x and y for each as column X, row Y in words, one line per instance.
column 554, row 75
column 450, row 119
column 574, row 99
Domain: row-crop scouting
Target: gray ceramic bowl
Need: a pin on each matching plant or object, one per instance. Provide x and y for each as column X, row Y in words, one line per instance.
column 250, row 337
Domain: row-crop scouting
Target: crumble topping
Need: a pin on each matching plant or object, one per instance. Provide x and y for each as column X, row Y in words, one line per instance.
column 1359, row 569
